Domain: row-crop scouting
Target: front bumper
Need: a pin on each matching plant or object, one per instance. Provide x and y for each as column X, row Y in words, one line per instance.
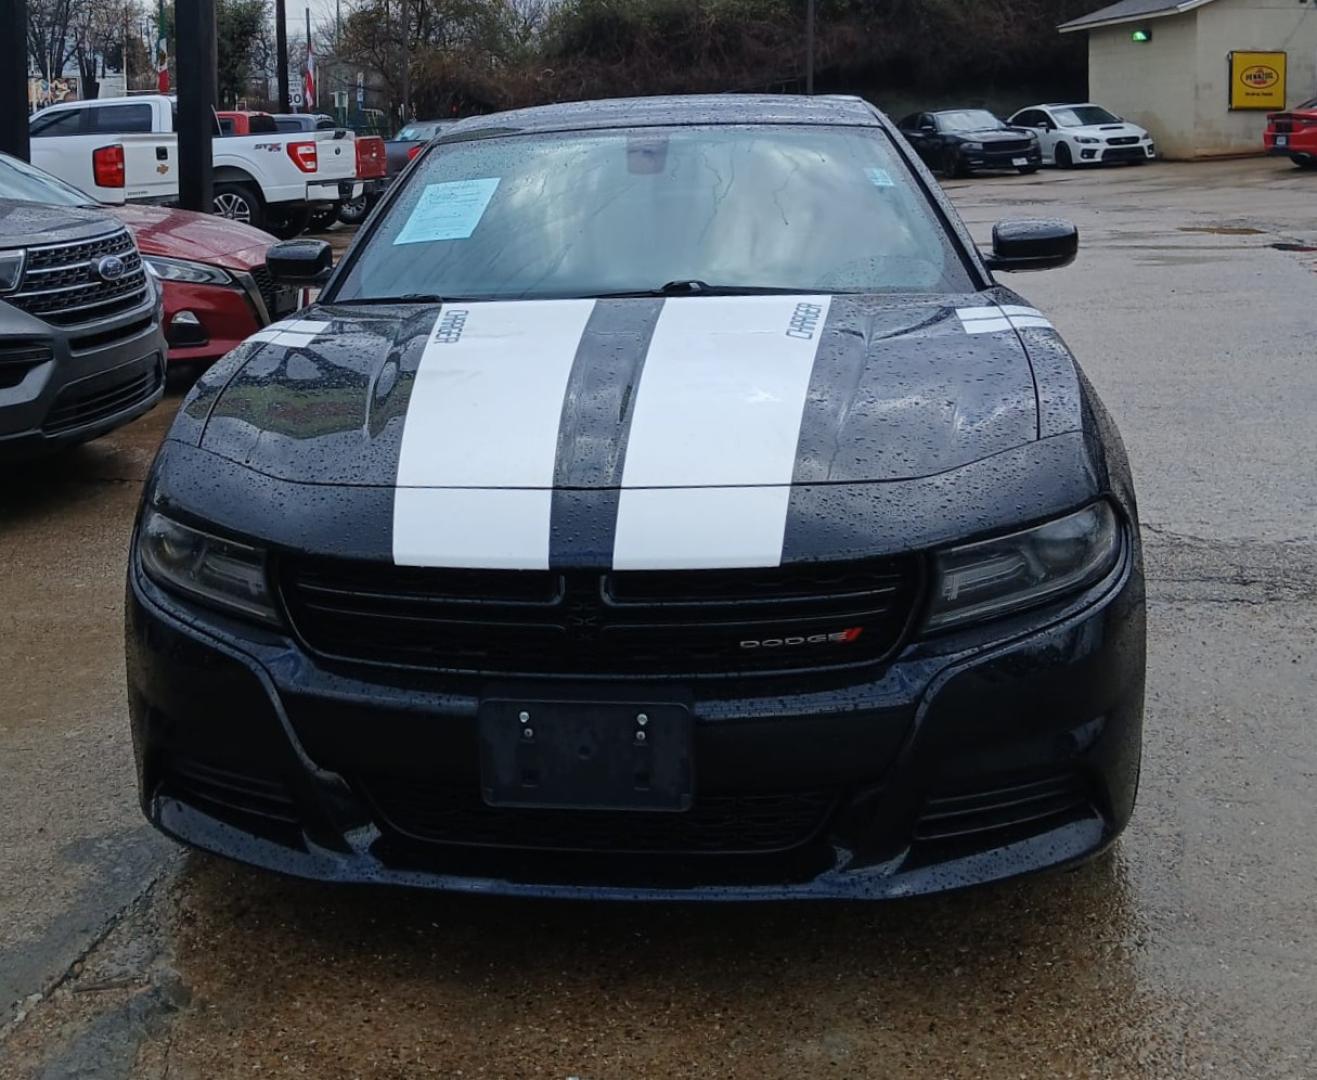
column 1003, row 159
column 1110, row 155
column 227, row 315
column 66, row 385
column 956, row 764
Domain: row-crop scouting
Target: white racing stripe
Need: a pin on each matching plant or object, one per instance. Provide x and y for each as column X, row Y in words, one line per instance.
column 712, row 446
column 292, row 334
column 992, row 320
column 475, row 471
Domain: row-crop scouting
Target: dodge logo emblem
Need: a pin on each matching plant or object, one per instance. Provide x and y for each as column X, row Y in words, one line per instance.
column 110, row 268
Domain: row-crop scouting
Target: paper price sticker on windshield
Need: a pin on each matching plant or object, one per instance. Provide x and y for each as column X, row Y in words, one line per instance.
column 448, row 211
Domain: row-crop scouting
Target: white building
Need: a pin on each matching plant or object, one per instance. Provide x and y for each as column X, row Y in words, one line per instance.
column 1167, row 66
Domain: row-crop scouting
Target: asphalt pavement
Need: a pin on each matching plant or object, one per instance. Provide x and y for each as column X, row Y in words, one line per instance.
column 1190, row 950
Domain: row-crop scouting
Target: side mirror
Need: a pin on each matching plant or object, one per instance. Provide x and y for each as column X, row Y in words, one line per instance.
column 1032, row 245
column 300, row 262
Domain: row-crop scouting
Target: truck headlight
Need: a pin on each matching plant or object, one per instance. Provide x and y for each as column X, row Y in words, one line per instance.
column 217, row 572
column 193, row 273
column 981, row 581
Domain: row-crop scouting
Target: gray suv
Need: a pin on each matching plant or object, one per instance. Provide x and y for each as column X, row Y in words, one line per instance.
column 81, row 346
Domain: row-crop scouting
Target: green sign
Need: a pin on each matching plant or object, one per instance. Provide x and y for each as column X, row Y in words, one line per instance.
column 1141, row 35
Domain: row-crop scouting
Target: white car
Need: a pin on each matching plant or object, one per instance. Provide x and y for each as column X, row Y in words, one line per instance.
column 1084, row 134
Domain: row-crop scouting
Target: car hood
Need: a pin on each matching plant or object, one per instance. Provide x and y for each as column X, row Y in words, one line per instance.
column 1106, row 131
column 182, row 234
column 626, row 393
column 25, row 224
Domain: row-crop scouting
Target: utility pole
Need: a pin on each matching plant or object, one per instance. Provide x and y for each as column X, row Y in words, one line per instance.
column 197, row 60
column 281, row 46
column 13, row 80
column 406, row 64
column 809, row 47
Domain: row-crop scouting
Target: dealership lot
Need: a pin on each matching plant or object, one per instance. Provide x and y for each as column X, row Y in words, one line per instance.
column 1191, row 949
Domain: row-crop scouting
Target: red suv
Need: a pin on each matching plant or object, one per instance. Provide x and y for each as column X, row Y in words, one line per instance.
column 1294, row 134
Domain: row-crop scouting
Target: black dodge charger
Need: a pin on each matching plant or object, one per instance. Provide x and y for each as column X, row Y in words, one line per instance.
column 662, row 500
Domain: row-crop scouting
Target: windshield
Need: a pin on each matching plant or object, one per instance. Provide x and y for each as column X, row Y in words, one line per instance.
column 809, row 209
column 19, row 180
column 1082, row 115
column 418, row 132
column 969, row 120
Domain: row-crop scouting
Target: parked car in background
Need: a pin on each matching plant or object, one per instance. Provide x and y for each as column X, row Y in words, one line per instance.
column 81, row 348
column 1294, row 134
column 1084, row 134
column 958, row 141
column 410, row 140
column 265, row 179
column 217, row 290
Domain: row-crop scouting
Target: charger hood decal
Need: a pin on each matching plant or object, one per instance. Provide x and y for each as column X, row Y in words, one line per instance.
column 639, row 433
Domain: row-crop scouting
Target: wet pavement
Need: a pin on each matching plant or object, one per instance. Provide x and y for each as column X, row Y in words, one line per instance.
column 1190, row 950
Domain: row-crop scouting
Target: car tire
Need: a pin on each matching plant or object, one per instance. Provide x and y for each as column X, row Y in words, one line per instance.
column 288, row 223
column 1304, row 162
column 239, row 202
column 953, row 166
column 354, row 211
column 1064, row 159
column 322, row 217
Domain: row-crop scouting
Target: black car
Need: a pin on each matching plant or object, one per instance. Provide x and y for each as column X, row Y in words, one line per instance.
column 662, row 500
column 958, row 141
column 409, row 142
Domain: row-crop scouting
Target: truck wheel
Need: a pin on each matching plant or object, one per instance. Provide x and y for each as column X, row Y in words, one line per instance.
column 238, row 202
column 322, row 217
column 288, row 222
column 354, row 212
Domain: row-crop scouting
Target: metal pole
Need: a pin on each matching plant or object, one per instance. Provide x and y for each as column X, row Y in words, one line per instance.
column 809, row 47
column 197, row 60
column 406, row 65
column 13, row 80
column 310, row 105
column 281, row 45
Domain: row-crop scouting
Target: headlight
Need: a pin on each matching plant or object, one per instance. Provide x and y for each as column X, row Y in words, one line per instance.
column 217, row 572
column 182, row 270
column 992, row 578
column 975, row 147
column 1087, row 140
column 11, row 269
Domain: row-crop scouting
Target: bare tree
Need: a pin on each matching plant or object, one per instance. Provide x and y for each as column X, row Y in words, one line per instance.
column 48, row 39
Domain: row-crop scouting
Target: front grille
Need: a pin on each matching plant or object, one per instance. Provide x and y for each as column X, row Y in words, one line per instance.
column 1124, row 140
column 18, row 356
column 61, row 285
column 697, row 622
column 1009, row 146
column 995, row 815
column 91, row 400
column 726, row 824
column 280, row 300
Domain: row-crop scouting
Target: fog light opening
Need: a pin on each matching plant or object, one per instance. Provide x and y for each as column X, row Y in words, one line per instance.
column 185, row 329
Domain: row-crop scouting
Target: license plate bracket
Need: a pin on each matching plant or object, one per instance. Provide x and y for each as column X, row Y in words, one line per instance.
column 586, row 755
column 1282, row 141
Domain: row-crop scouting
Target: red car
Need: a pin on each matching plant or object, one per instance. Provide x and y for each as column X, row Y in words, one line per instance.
column 1294, row 134
column 217, row 290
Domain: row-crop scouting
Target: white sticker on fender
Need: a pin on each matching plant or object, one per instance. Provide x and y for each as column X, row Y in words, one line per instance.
column 712, row 446
column 475, row 470
column 992, row 320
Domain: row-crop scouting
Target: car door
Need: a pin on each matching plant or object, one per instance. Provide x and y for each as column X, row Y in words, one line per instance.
column 922, row 134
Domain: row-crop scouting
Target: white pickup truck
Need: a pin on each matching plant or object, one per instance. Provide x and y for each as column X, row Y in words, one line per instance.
column 125, row 149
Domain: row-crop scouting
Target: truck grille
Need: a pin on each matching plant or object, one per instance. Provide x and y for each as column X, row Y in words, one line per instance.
column 697, row 622
column 280, row 300
column 722, row 824
column 61, row 284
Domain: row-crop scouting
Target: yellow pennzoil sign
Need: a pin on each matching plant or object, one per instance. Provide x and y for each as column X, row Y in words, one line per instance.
column 1257, row 80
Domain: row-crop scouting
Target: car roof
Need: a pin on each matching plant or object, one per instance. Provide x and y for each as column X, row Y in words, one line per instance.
column 674, row 111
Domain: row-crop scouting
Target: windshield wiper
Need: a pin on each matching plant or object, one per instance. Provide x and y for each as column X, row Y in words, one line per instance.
column 695, row 287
